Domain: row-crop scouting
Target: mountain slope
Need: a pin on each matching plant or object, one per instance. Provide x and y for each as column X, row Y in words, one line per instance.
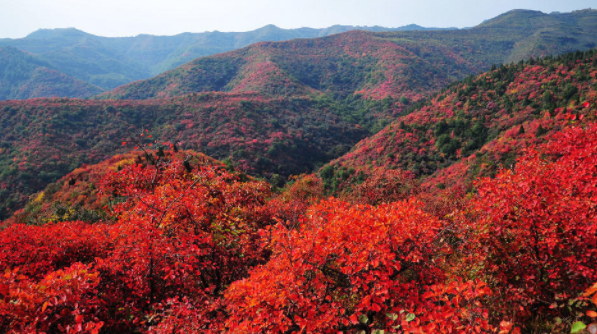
column 475, row 126
column 81, row 55
column 375, row 64
column 289, row 107
column 354, row 62
column 23, row 76
column 43, row 139
column 109, row 62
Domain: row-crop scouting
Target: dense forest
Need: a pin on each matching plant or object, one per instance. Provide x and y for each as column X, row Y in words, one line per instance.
column 43, row 139
column 187, row 245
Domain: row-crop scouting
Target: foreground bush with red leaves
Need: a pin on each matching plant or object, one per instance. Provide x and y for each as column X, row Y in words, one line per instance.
column 532, row 231
column 179, row 231
column 200, row 249
column 351, row 268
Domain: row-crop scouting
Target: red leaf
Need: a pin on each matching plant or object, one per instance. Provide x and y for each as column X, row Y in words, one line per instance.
column 353, row 319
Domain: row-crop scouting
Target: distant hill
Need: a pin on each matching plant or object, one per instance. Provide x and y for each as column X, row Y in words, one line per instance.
column 350, row 63
column 109, row 62
column 476, row 126
column 374, row 64
column 23, row 76
column 41, row 140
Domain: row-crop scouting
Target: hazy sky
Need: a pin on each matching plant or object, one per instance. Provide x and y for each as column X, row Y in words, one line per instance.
column 168, row 17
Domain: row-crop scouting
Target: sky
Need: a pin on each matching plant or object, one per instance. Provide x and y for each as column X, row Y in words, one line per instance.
column 114, row 18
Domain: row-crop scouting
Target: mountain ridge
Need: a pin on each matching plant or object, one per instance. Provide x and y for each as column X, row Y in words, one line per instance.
column 109, row 62
column 120, row 60
column 24, row 76
column 386, row 63
column 280, row 108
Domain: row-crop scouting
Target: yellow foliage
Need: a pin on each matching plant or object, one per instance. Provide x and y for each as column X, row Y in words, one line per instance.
column 122, row 163
column 39, row 198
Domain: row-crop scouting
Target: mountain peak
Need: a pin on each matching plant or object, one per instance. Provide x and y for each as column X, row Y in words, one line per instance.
column 269, row 27
column 516, row 17
column 56, row 33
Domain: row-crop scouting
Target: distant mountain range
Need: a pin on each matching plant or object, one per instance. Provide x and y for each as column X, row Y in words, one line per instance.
column 109, row 62
column 406, row 64
column 24, row 76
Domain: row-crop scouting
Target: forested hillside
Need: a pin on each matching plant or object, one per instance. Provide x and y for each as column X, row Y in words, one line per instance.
column 23, row 76
column 362, row 183
column 77, row 195
column 287, row 112
column 41, row 140
column 375, row 64
column 475, row 126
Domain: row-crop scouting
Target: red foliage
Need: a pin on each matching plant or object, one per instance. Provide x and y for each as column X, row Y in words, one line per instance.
column 180, row 230
column 80, row 189
column 195, row 249
column 64, row 301
column 535, row 228
column 296, row 198
column 498, row 102
column 40, row 250
column 350, row 268
column 384, row 187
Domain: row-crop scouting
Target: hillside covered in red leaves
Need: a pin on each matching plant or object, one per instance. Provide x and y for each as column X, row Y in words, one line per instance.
column 77, row 195
column 474, row 127
column 278, row 108
column 44, row 139
column 195, row 248
column 345, row 185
